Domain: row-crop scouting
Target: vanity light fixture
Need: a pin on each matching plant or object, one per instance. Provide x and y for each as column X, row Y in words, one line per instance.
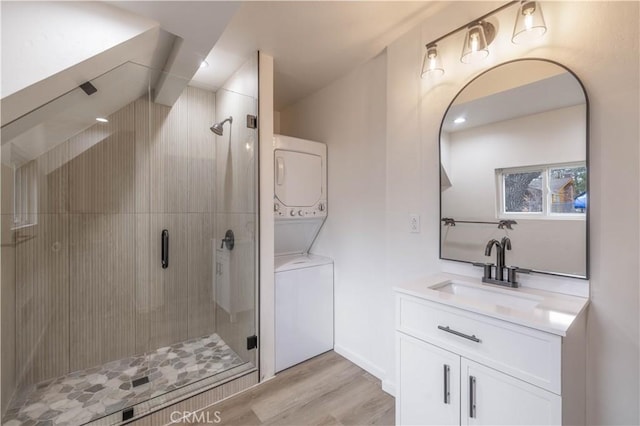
column 432, row 63
column 102, row 120
column 530, row 23
column 476, row 42
column 480, row 34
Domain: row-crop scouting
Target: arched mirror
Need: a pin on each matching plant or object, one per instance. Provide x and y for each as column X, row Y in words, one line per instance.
column 513, row 157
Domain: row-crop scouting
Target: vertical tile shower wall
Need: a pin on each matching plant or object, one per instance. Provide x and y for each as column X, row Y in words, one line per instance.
column 7, row 281
column 88, row 285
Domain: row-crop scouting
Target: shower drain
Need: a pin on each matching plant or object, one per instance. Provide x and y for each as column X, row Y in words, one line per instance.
column 140, row 381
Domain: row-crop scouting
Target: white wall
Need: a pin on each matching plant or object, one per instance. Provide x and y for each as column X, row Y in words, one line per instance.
column 349, row 116
column 606, row 61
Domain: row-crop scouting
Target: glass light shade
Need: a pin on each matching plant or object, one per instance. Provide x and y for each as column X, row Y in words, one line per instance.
column 431, row 63
column 530, row 23
column 475, row 46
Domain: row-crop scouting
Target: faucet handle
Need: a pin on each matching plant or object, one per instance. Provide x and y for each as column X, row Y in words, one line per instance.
column 487, row 269
column 512, row 277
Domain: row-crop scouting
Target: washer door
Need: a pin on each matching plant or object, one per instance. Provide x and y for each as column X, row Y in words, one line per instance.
column 298, row 180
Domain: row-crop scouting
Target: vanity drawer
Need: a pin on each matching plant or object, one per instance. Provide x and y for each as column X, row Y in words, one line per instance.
column 525, row 353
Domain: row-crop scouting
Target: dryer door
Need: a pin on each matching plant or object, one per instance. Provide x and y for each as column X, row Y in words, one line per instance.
column 298, row 178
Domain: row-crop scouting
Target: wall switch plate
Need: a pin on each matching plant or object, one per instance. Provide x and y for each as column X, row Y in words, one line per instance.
column 414, row 223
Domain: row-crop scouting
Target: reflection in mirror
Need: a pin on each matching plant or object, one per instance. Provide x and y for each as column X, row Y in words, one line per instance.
column 513, row 148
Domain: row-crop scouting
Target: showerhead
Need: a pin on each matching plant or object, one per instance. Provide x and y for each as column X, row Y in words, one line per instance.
column 217, row 127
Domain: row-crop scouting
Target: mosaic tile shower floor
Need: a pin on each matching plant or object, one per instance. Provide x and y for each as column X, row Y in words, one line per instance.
column 86, row 395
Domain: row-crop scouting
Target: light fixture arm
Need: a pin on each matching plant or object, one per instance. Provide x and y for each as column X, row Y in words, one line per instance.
column 480, row 33
column 475, row 21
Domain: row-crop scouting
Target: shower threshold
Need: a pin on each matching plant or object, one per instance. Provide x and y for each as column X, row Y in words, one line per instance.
column 86, row 395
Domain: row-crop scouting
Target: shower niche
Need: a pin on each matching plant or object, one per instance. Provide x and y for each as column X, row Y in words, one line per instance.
column 114, row 211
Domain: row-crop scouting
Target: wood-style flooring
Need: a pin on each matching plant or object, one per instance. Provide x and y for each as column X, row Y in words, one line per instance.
column 326, row 390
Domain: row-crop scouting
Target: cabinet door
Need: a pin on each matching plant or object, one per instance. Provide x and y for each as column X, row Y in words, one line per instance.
column 490, row 397
column 429, row 384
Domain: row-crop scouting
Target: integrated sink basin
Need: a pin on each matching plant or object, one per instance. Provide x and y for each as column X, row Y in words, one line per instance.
column 520, row 302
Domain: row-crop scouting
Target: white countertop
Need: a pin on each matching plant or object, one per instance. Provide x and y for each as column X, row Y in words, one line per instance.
column 554, row 312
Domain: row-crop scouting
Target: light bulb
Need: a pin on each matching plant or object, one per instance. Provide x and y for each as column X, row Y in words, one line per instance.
column 475, row 47
column 432, row 65
column 528, row 21
column 474, row 42
column 529, row 24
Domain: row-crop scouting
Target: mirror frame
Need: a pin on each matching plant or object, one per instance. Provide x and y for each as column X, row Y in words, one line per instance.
column 587, row 162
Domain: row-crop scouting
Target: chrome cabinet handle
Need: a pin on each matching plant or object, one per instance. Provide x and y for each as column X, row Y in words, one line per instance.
column 472, row 397
column 457, row 333
column 447, row 392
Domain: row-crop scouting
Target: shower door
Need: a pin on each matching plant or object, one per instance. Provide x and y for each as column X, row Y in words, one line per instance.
column 197, row 293
column 125, row 295
column 236, row 211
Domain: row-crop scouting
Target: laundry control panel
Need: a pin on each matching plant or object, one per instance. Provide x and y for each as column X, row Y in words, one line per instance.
column 284, row 212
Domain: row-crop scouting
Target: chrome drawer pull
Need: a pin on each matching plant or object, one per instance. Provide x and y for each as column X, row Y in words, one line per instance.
column 457, row 333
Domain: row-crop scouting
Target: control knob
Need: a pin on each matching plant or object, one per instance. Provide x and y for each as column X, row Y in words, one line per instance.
column 300, row 213
column 292, row 213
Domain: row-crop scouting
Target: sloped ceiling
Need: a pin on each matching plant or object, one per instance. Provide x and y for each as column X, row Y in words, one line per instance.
column 549, row 93
column 198, row 26
column 313, row 42
column 51, row 48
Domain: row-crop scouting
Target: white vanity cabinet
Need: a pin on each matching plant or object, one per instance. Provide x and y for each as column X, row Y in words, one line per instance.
column 490, row 397
column 430, row 383
column 457, row 367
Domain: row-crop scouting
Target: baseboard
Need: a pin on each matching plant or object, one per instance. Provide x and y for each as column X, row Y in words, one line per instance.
column 361, row 362
column 389, row 387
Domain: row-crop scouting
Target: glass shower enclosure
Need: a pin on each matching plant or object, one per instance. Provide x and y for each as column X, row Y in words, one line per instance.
column 129, row 247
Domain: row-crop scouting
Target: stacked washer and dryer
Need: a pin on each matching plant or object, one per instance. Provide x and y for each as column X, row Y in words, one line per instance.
column 303, row 281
